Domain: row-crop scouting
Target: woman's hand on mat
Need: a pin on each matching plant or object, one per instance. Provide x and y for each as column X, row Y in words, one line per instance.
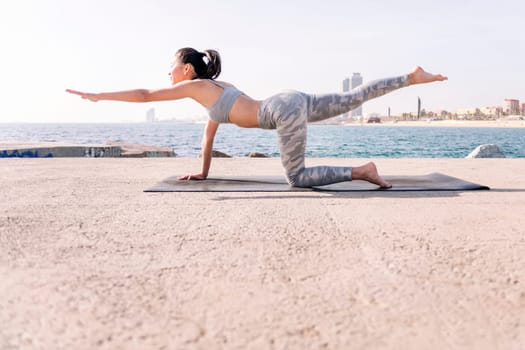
column 86, row 95
column 193, row 177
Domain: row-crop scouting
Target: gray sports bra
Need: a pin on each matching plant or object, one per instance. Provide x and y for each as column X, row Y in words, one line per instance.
column 220, row 110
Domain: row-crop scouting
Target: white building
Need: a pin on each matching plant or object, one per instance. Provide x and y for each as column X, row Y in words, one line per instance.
column 494, row 111
column 150, row 115
column 357, row 80
column 346, row 88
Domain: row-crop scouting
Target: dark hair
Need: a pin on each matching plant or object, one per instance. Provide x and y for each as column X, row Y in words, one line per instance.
column 207, row 64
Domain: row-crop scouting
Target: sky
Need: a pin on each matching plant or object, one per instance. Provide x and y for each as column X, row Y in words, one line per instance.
column 266, row 46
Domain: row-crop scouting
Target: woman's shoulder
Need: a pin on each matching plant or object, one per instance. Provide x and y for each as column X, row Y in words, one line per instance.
column 220, row 83
column 224, row 83
column 198, row 85
column 197, row 88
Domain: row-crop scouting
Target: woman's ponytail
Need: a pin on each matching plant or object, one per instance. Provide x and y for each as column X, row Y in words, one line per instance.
column 213, row 66
column 207, row 64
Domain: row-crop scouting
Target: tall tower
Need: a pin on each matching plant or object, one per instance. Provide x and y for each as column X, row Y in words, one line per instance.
column 346, row 88
column 346, row 85
column 418, row 108
column 357, row 80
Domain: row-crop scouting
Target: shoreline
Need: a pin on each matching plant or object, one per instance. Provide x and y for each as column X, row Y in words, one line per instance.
column 447, row 123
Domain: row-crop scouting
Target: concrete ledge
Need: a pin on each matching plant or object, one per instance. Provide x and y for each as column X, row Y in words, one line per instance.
column 130, row 150
column 56, row 150
column 59, row 150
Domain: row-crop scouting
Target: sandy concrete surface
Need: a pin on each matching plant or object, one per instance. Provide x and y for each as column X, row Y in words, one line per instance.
column 89, row 261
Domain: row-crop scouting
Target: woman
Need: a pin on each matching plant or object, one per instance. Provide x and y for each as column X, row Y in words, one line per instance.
column 193, row 75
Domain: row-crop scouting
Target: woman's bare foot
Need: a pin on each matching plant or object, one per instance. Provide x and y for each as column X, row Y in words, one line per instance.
column 368, row 172
column 419, row 76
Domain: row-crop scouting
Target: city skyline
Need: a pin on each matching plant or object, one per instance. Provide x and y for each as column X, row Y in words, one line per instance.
column 117, row 45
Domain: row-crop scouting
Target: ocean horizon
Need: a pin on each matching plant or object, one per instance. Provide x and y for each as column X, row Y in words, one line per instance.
column 338, row 141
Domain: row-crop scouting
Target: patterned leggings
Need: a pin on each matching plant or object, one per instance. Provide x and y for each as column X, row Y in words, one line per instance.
column 290, row 111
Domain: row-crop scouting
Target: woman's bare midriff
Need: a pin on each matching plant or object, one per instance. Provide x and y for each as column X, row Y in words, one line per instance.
column 244, row 112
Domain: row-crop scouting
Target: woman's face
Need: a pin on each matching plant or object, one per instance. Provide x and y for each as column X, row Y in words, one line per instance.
column 180, row 71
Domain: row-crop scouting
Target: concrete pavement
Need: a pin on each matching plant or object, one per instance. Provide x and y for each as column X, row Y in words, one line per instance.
column 89, row 261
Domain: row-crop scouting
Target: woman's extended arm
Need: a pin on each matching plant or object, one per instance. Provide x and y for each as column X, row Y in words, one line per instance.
column 175, row 92
column 207, row 148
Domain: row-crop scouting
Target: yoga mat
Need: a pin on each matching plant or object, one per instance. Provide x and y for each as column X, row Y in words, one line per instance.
column 429, row 182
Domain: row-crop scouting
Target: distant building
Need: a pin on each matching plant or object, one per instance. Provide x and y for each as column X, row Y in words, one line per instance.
column 373, row 118
column 357, row 80
column 346, row 85
column 493, row 111
column 523, row 109
column 511, row 106
column 346, row 88
column 466, row 111
column 150, row 115
column 418, row 108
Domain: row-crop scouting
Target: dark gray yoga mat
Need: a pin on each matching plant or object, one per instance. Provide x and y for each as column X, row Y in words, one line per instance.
column 430, row 182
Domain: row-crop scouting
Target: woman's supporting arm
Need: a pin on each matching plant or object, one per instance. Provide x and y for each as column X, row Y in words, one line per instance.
column 207, row 148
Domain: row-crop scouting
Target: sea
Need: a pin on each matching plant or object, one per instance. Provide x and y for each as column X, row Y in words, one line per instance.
column 339, row 141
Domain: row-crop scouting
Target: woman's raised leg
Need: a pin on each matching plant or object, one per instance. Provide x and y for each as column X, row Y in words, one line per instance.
column 324, row 106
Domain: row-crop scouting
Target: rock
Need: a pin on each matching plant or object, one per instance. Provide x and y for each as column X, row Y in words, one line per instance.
column 217, row 154
column 486, row 151
column 256, row 155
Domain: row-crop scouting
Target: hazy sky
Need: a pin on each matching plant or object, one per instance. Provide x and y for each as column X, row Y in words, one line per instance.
column 266, row 46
